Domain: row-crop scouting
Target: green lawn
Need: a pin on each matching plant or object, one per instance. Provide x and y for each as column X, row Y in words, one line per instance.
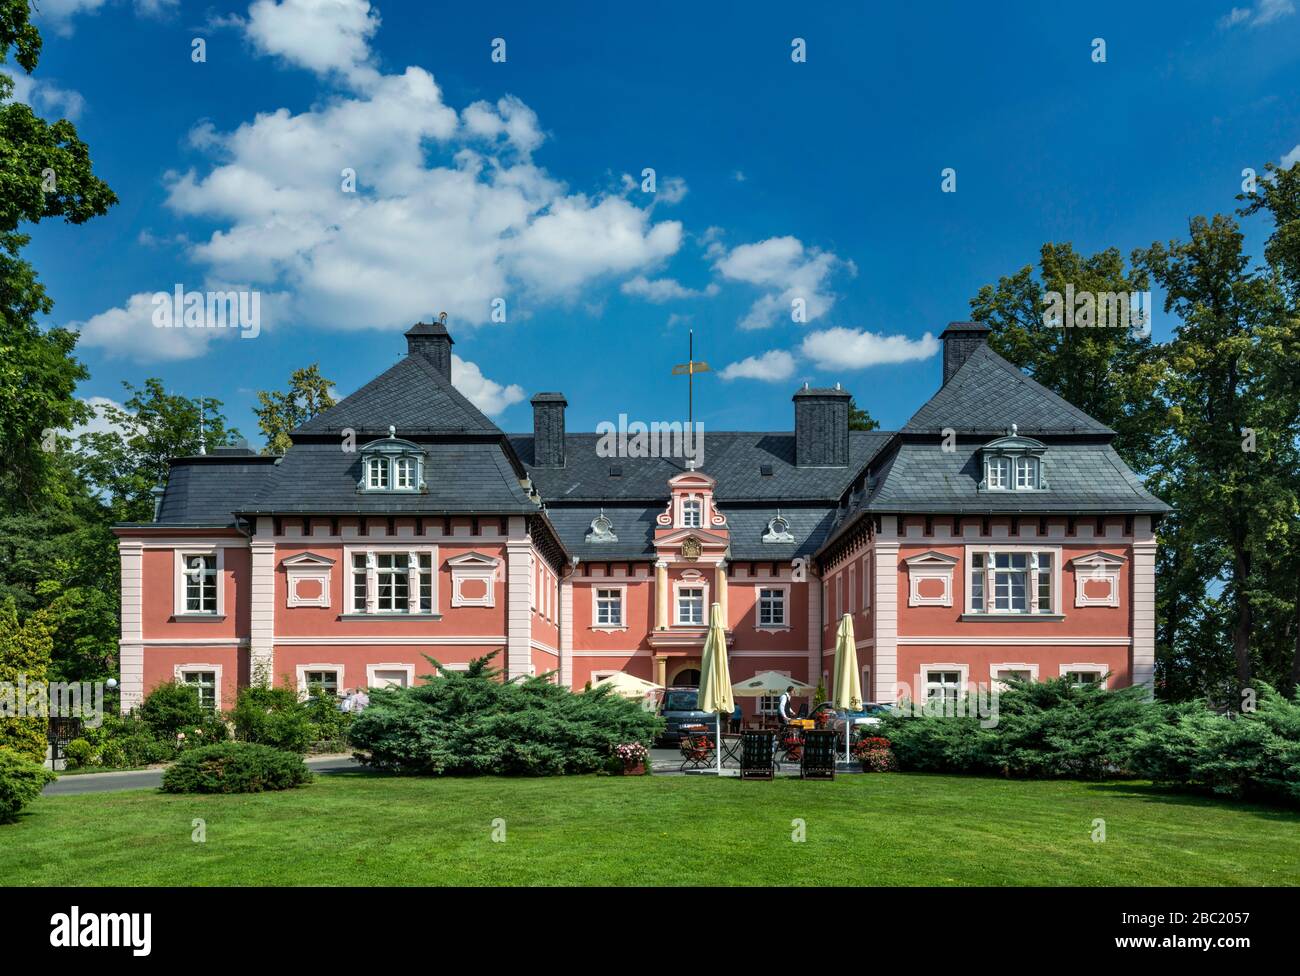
column 359, row 828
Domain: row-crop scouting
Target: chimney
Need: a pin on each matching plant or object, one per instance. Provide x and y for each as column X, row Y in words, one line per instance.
column 432, row 341
column 960, row 340
column 548, row 429
column 821, row 428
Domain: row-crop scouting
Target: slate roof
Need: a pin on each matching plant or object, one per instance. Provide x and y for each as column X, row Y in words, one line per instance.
column 412, row 396
column 988, row 394
column 461, row 477
column 734, row 460
column 922, row 477
column 204, row 490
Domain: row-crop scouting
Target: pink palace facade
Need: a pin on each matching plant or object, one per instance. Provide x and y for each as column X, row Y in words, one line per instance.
column 997, row 532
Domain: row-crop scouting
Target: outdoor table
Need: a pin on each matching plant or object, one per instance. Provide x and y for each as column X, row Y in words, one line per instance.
column 731, row 747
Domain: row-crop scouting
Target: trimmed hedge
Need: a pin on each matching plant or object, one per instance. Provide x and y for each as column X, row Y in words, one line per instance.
column 472, row 722
column 21, row 781
column 235, row 767
column 1054, row 729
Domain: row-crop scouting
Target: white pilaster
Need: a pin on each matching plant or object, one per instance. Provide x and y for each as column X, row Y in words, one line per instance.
column 661, row 595
column 1144, row 603
column 130, row 649
column 519, row 622
column 886, row 610
column 566, row 633
column 261, row 631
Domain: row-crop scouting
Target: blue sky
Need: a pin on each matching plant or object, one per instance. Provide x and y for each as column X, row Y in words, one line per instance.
column 521, row 180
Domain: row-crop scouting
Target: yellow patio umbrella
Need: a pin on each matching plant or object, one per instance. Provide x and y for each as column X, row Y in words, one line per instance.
column 848, row 683
column 715, row 677
column 628, row 686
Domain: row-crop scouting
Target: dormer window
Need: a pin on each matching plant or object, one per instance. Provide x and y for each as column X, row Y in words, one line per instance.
column 1013, row 463
column 692, row 513
column 391, row 464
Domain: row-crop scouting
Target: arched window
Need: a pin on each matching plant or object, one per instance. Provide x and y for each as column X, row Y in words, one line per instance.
column 998, row 475
column 1026, row 473
column 377, row 473
column 404, row 473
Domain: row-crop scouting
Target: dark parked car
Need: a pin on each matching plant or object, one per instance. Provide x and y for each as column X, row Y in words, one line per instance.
column 868, row 715
column 678, row 707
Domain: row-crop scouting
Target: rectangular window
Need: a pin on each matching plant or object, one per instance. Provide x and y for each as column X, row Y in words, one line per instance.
column 998, row 472
column 1011, row 582
column 866, row 583
column 359, row 582
column 1044, row 570
column 206, row 682
column 692, row 513
column 771, row 608
column 201, row 583
column 326, row 681
column 942, row 687
column 404, row 473
column 609, row 608
column 377, row 473
column 977, row 582
column 426, row 583
column 392, row 583
column 1026, row 473
column 690, row 605
column 853, row 587
column 767, row 704
column 1078, row 678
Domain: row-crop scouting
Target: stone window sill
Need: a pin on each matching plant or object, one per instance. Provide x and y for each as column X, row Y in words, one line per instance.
column 193, row 617
column 390, row 616
column 1012, row 617
column 610, row 630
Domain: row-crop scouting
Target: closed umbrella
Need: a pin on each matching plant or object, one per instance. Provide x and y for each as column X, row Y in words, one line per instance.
column 848, row 683
column 715, row 677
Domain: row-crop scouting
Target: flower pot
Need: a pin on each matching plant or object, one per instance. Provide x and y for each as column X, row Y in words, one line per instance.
column 634, row 769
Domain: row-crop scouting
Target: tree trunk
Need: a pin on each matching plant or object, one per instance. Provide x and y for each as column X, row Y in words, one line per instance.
column 1242, row 625
column 1295, row 661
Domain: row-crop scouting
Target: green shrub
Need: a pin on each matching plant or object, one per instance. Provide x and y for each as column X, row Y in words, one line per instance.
column 331, row 726
column 1250, row 755
column 273, row 717
column 235, row 767
column 472, row 722
column 25, row 652
column 171, row 707
column 79, row 753
column 21, row 781
column 1043, row 729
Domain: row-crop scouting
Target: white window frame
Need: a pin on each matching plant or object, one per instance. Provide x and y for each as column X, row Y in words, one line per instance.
column 692, row 503
column 180, row 570
column 930, row 565
column 1100, row 670
column 1103, row 566
column 405, row 465
column 1029, row 549
column 378, row 465
column 1021, row 464
column 1005, row 470
column 962, row 670
column 690, row 584
column 621, row 590
column 866, row 583
column 996, row 682
column 178, row 675
column 373, row 669
column 302, row 670
column 851, row 594
column 372, row 579
column 784, row 590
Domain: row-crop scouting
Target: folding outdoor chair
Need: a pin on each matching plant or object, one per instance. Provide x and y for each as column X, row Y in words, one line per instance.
column 819, row 753
column 756, row 749
column 697, row 751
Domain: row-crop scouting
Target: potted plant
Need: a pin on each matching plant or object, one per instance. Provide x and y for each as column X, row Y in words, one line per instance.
column 875, row 754
column 633, row 756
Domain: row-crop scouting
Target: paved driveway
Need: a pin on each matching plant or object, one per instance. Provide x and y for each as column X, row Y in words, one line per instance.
column 151, row 779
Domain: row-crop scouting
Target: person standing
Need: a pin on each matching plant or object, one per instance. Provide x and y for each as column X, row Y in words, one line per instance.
column 783, row 707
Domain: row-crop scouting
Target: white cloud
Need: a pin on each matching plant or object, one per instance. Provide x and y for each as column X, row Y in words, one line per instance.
column 45, row 98
column 672, row 190
column 488, row 395
column 1291, row 158
column 155, row 8
column 1264, row 12
column 738, row 176
column 771, row 366
column 791, row 274
column 99, row 423
column 128, row 332
column 841, row 348
column 59, row 13
column 320, row 35
column 662, row 290
column 510, row 117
